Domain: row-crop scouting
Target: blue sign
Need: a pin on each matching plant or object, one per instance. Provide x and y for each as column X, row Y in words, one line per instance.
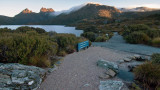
column 82, row 45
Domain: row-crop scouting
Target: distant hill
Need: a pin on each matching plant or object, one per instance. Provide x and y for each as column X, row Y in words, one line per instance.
column 4, row 20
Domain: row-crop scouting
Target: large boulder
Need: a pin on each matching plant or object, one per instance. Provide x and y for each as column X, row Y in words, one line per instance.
column 110, row 85
column 16, row 77
column 107, row 65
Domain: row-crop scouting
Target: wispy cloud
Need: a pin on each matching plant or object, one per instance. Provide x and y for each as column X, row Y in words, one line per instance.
column 146, row 5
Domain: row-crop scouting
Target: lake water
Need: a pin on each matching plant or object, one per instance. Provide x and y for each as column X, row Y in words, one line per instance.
column 56, row 28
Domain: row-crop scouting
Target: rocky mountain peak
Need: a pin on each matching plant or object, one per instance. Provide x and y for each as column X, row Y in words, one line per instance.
column 46, row 10
column 26, row 11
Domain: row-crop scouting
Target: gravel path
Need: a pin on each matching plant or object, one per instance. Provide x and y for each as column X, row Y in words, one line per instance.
column 78, row 71
column 117, row 43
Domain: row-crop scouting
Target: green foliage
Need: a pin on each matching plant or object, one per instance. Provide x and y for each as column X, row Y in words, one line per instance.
column 101, row 39
column 139, row 27
column 134, row 87
column 41, row 61
column 62, row 53
column 25, row 29
column 2, row 30
column 90, row 35
column 141, row 34
column 156, row 58
column 70, row 49
column 137, row 37
column 153, row 33
column 19, row 48
column 64, row 40
column 156, row 42
column 34, row 46
column 148, row 74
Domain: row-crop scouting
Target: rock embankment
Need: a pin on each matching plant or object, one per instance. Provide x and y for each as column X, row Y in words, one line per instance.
column 20, row 77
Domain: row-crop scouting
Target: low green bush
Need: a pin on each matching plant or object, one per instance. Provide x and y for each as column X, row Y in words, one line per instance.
column 24, row 29
column 149, row 75
column 89, row 35
column 20, row 48
column 156, row 58
column 101, row 39
column 153, row 33
column 62, row 53
column 70, row 49
column 138, row 27
column 3, row 30
column 65, row 40
column 137, row 37
column 156, row 42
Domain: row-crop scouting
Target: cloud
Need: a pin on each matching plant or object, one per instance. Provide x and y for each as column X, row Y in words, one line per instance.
column 56, row 13
column 146, row 5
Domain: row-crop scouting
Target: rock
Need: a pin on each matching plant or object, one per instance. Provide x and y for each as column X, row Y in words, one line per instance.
column 111, row 85
column 127, row 59
column 50, row 70
column 86, row 85
column 111, row 73
column 16, row 76
column 30, row 83
column 133, row 65
column 121, row 61
column 137, row 56
column 104, row 76
column 46, row 10
column 26, row 11
column 107, row 65
column 5, row 79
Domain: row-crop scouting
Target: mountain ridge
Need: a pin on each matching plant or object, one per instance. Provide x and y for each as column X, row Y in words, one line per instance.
column 88, row 11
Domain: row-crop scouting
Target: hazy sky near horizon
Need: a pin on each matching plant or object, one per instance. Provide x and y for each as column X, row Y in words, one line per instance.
column 13, row 7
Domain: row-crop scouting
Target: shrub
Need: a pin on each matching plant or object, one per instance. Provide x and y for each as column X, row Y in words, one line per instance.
column 90, row 35
column 148, row 74
column 64, row 40
column 101, row 39
column 2, row 30
column 156, row 58
column 70, row 49
column 156, row 42
column 62, row 53
column 20, row 48
column 24, row 29
column 137, row 37
column 153, row 33
column 138, row 27
column 40, row 61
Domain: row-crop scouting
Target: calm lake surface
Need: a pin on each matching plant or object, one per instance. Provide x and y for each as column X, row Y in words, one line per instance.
column 56, row 28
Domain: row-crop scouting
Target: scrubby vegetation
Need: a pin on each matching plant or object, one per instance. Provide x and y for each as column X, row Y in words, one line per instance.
column 96, row 34
column 149, row 73
column 141, row 34
column 34, row 46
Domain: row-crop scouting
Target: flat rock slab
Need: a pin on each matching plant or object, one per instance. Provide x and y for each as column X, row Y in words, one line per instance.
column 111, row 85
column 107, row 65
column 20, row 77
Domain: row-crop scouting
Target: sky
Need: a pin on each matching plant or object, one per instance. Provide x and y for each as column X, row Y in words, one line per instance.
column 13, row 7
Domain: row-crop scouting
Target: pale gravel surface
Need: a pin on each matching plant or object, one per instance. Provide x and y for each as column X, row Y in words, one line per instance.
column 78, row 71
